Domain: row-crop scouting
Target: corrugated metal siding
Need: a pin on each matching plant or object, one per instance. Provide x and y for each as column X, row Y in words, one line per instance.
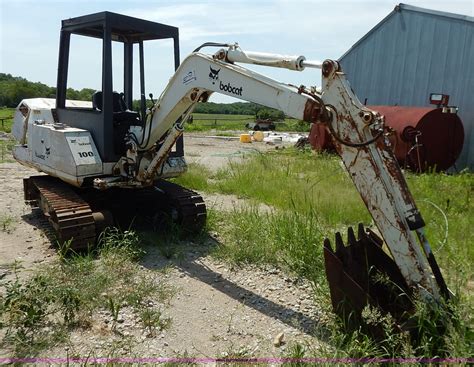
column 412, row 54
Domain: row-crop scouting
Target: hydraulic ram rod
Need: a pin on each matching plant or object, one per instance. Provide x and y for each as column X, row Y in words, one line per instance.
column 298, row 63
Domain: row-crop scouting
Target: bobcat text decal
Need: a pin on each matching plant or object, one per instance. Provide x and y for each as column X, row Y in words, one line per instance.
column 226, row 87
column 229, row 88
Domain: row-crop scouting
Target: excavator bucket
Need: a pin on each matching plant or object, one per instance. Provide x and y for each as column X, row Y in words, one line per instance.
column 361, row 273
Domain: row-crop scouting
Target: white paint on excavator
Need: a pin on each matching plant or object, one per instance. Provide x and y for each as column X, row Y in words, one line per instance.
column 61, row 151
column 33, row 109
column 65, row 152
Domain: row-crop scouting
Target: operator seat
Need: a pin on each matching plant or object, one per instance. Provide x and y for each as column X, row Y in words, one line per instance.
column 97, row 101
column 122, row 118
column 121, row 114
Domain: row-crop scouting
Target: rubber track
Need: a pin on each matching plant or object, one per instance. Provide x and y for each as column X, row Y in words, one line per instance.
column 70, row 216
column 190, row 205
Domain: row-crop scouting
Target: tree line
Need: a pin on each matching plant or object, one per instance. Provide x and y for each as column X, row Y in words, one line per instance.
column 240, row 108
column 14, row 88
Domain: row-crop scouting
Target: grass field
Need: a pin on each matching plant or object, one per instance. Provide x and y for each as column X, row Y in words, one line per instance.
column 6, row 144
column 208, row 122
column 6, row 147
column 317, row 186
column 7, row 115
column 312, row 197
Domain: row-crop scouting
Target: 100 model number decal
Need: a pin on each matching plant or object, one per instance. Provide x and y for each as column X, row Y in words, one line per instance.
column 86, row 154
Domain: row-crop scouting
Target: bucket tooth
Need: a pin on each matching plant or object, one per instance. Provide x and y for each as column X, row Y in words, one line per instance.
column 360, row 231
column 340, row 248
column 346, row 294
column 362, row 274
column 351, row 239
column 327, row 244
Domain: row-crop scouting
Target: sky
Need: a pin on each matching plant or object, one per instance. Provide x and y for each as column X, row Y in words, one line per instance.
column 317, row 29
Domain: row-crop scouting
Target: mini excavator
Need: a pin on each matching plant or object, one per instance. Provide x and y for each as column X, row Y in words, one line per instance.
column 100, row 158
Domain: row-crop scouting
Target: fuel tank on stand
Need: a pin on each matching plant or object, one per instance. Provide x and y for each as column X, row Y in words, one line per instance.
column 423, row 138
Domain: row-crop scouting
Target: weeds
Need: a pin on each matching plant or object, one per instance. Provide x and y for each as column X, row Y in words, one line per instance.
column 296, row 352
column 286, row 238
column 196, row 177
column 126, row 243
column 25, row 314
column 152, row 320
column 66, row 294
column 6, row 147
column 114, row 309
column 433, row 333
column 235, row 356
column 7, row 223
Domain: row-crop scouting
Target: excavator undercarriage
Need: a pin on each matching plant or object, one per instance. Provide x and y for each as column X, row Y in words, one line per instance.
column 78, row 216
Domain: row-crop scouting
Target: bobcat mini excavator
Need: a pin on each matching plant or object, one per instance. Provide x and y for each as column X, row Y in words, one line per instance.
column 102, row 159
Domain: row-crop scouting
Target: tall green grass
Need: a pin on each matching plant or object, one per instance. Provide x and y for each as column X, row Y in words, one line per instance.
column 298, row 182
column 312, row 197
column 6, row 145
column 305, row 182
column 289, row 239
column 447, row 205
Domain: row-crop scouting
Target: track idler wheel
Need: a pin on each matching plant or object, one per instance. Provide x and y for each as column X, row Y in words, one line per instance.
column 102, row 220
column 361, row 273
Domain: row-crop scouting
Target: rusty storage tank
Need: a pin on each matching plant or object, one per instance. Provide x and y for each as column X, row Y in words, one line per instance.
column 424, row 138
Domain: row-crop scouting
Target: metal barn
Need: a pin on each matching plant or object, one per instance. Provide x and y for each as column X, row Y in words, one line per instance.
column 414, row 52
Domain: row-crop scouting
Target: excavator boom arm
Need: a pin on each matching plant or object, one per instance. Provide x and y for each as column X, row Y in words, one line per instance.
column 200, row 75
column 357, row 130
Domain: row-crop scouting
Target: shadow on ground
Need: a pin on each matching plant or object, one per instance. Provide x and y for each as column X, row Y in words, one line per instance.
column 186, row 257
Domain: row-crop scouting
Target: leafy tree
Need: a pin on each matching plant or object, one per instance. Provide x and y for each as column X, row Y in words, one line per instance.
column 13, row 89
column 271, row 114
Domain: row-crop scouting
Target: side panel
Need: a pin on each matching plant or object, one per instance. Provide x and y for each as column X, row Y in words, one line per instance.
column 67, row 150
column 91, row 121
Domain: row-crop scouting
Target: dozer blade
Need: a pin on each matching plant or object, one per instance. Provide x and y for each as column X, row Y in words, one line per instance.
column 362, row 274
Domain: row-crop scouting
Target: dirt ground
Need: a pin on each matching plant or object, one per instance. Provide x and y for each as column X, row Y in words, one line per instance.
column 217, row 152
column 216, row 311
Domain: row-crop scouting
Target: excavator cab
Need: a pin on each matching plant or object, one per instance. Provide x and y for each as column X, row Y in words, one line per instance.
column 111, row 113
